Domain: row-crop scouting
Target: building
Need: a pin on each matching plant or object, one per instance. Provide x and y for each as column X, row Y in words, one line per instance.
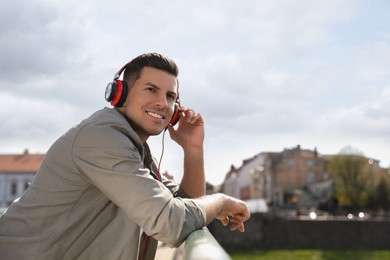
column 292, row 177
column 301, row 176
column 16, row 172
column 253, row 180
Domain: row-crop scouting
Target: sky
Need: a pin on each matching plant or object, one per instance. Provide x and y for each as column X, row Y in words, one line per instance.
column 265, row 75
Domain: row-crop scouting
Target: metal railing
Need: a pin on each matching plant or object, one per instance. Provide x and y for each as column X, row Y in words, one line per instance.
column 201, row 245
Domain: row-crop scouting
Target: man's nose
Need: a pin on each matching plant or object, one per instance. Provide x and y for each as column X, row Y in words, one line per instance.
column 162, row 101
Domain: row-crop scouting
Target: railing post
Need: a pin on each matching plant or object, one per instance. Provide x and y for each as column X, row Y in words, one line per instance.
column 201, row 245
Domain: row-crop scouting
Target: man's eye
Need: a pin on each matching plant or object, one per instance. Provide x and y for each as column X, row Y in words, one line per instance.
column 171, row 97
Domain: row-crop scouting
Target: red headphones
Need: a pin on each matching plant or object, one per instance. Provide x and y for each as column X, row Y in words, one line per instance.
column 116, row 93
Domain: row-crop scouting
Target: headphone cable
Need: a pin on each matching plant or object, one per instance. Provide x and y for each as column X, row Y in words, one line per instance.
column 162, row 154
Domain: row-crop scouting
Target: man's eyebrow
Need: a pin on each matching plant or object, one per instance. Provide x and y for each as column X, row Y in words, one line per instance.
column 152, row 85
column 158, row 88
column 172, row 93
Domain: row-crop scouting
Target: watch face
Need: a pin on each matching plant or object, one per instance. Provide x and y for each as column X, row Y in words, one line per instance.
column 108, row 92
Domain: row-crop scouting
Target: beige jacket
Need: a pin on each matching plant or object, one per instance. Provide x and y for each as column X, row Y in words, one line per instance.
column 92, row 194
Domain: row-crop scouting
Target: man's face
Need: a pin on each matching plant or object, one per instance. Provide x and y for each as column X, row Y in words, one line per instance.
column 150, row 102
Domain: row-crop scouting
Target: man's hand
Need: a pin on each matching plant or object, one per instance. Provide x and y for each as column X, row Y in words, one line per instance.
column 226, row 209
column 235, row 212
column 190, row 131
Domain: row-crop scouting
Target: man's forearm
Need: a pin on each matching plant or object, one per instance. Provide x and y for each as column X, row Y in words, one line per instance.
column 193, row 182
column 213, row 205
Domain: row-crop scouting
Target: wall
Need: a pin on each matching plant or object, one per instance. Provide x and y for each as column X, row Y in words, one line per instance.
column 266, row 232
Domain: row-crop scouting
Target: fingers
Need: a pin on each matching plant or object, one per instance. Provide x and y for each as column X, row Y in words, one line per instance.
column 237, row 225
column 238, row 213
column 191, row 116
column 224, row 220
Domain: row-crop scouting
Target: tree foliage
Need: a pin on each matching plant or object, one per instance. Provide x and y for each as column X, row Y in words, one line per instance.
column 380, row 199
column 350, row 172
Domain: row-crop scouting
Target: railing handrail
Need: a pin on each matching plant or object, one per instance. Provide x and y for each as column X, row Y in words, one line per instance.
column 202, row 245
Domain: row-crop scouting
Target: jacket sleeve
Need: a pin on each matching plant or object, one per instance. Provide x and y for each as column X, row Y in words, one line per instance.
column 175, row 188
column 108, row 158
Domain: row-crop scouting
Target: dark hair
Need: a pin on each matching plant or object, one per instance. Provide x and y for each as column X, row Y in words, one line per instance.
column 155, row 60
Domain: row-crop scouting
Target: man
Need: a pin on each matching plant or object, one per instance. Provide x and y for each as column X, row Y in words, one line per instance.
column 98, row 187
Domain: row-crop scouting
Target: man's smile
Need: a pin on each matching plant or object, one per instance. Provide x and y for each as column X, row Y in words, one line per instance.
column 155, row 115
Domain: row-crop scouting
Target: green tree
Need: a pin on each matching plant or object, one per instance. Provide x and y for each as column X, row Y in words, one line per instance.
column 350, row 172
column 382, row 196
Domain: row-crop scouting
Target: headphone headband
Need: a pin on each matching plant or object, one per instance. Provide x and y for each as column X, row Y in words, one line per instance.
column 119, row 73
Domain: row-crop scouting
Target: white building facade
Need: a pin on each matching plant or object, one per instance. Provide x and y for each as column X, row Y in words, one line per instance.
column 16, row 172
column 12, row 186
column 253, row 180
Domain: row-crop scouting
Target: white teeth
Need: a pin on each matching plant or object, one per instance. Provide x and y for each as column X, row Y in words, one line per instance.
column 155, row 115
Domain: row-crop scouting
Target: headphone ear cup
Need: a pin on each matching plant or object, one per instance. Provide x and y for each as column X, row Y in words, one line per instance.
column 123, row 95
column 110, row 91
column 176, row 115
column 119, row 93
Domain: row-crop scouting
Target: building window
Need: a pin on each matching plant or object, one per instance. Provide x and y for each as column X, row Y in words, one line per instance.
column 245, row 193
column 290, row 162
column 256, row 181
column 310, row 177
column 310, row 163
column 14, row 188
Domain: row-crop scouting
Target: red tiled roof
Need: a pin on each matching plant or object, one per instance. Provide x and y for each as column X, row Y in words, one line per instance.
column 20, row 162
